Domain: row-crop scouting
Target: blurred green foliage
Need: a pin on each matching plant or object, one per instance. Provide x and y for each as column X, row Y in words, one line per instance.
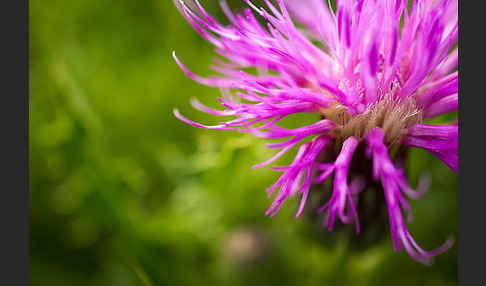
column 122, row 193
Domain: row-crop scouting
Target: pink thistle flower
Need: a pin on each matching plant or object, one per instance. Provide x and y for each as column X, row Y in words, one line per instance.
column 371, row 80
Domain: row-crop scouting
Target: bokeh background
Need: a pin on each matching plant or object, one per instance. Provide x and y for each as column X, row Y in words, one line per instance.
column 122, row 193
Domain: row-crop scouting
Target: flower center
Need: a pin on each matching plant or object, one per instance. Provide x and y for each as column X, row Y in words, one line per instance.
column 391, row 115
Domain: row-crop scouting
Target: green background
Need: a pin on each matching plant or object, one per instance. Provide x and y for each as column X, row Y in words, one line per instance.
column 122, row 193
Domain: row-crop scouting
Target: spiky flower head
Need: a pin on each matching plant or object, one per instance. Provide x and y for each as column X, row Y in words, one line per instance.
column 373, row 70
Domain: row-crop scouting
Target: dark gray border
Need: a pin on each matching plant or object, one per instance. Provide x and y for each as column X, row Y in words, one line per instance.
column 14, row 208
column 472, row 171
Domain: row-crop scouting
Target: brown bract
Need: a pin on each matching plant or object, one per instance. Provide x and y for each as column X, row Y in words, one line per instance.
column 391, row 115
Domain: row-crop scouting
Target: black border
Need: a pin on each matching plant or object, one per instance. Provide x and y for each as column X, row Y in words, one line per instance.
column 14, row 209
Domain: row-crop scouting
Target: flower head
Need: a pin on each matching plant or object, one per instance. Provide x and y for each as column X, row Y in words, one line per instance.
column 373, row 70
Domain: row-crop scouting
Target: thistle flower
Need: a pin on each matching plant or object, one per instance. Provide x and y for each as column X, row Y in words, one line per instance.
column 373, row 70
